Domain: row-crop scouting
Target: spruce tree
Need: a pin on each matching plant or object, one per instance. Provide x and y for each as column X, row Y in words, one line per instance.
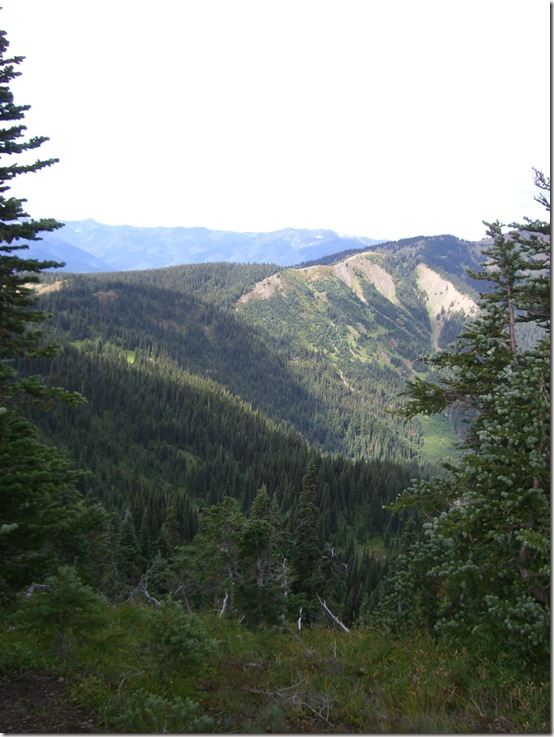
column 129, row 562
column 481, row 572
column 64, row 611
column 306, row 554
column 533, row 238
column 265, row 588
column 19, row 335
column 40, row 509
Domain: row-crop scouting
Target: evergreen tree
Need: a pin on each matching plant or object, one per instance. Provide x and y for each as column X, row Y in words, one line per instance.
column 40, row 508
column 42, row 518
column 533, row 238
column 306, row 555
column 64, row 611
column 177, row 640
column 19, row 331
column 480, row 574
column 170, row 537
column 129, row 562
column 264, row 591
column 209, row 569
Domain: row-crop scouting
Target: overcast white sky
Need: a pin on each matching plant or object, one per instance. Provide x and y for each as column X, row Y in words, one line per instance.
column 370, row 117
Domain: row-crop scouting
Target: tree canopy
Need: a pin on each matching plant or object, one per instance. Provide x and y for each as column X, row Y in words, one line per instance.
column 42, row 517
column 482, row 569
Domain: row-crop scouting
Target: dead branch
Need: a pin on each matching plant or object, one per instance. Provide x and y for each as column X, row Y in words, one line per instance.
column 297, row 699
column 183, row 595
column 143, row 590
column 335, row 619
column 34, row 587
column 309, row 653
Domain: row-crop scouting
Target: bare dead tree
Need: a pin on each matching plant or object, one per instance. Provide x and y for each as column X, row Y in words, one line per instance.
column 335, row 619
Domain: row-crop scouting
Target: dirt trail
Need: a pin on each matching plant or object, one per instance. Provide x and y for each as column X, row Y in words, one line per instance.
column 37, row 703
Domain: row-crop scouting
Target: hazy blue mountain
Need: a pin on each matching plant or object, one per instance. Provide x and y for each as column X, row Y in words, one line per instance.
column 125, row 247
column 76, row 259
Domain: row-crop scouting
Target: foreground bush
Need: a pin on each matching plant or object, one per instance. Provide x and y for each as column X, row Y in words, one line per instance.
column 319, row 680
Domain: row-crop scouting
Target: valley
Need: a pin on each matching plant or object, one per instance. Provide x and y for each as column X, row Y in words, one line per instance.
column 241, row 452
column 265, row 482
column 213, row 380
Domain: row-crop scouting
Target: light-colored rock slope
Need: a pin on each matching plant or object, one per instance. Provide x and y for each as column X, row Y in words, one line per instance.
column 443, row 294
column 361, row 264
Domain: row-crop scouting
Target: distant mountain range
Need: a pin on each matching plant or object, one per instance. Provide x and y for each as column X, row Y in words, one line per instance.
column 89, row 246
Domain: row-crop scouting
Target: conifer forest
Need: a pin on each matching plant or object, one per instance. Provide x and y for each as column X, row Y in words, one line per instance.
column 244, row 498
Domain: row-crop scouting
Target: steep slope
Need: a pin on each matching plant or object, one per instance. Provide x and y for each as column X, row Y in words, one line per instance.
column 443, row 299
column 326, row 348
column 285, row 376
column 364, row 322
column 213, row 379
column 372, row 277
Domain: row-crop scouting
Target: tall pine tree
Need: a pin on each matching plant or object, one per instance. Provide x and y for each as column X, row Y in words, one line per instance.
column 42, row 519
column 306, row 553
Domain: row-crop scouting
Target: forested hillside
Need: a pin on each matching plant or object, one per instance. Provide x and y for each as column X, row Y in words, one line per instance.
column 221, row 509
column 214, row 380
column 335, row 344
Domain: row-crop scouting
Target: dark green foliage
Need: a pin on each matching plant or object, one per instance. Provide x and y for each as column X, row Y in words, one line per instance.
column 481, row 573
column 452, row 327
column 307, row 549
column 165, row 444
column 264, row 545
column 42, row 521
column 238, row 564
column 145, row 712
column 533, row 238
column 177, row 640
column 128, row 561
column 286, row 343
column 213, row 563
column 19, row 334
column 64, row 612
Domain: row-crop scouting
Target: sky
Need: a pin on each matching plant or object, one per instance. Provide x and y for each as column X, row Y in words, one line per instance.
column 367, row 117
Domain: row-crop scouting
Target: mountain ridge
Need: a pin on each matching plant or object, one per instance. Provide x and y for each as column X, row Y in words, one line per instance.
column 210, row 380
column 129, row 248
column 442, row 297
column 327, row 349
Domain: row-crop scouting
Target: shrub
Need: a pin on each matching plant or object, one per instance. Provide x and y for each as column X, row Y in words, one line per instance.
column 178, row 639
column 64, row 612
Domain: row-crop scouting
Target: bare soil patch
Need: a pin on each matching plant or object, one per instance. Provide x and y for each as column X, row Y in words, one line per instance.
column 37, row 703
column 265, row 289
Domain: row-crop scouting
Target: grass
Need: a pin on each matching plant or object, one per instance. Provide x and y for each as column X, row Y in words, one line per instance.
column 319, row 680
column 439, row 440
column 128, row 355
